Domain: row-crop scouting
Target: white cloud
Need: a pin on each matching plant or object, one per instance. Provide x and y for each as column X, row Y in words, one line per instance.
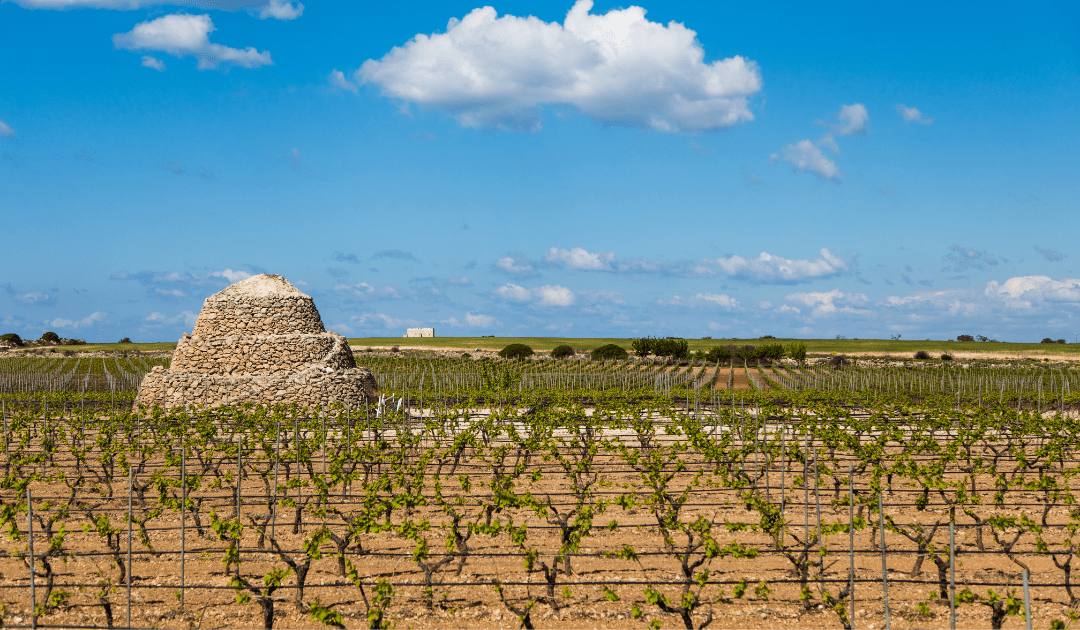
column 366, row 291
column 89, row 320
column 183, row 35
column 516, row 264
column 1026, row 292
column 230, row 275
column 6, row 131
column 710, row 300
column 617, row 68
column 187, row 317
column 379, row 321
column 852, row 120
column 153, row 62
column 808, row 158
column 910, row 114
column 480, row 321
column 554, row 295
column 278, row 9
column 34, row 297
column 769, row 268
column 580, row 258
column 546, row 295
column 281, row 10
column 338, row 80
column 830, row 303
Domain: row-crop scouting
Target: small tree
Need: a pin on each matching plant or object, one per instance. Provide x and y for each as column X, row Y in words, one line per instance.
column 796, row 350
column 922, row 355
column 965, row 338
column 125, row 340
column 50, row 336
column 561, row 352
column 516, row 351
column 12, row 338
column 609, row 351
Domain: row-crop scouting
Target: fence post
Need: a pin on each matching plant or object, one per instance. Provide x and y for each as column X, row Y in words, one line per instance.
column 952, row 574
column 1027, row 601
column 884, row 568
column 851, row 540
column 183, row 517
column 30, row 537
column 131, row 477
column 277, row 466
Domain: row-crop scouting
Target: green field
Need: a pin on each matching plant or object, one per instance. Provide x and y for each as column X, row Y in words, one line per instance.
column 900, row 348
column 904, row 347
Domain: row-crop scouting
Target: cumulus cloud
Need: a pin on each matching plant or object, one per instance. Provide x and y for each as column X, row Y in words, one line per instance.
column 515, row 263
column 338, row 80
column 6, row 131
column 153, row 62
column 831, row 303
column 89, row 320
column 805, row 156
column 277, row 9
column 281, row 10
column 618, row 68
column 852, row 121
column 776, row 269
column 366, row 291
column 712, row 300
column 186, row 317
column 480, row 321
column 1027, row 292
column 910, row 114
column 546, row 295
column 1049, row 254
column 230, row 275
column 184, row 35
column 580, row 258
column 961, row 259
column 36, row 298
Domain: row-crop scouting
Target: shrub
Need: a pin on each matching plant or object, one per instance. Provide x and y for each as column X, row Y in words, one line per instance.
column 516, row 351
column 561, row 352
column 716, row 353
column 770, row 352
column 50, row 336
column 1061, row 341
column 838, row 361
column 12, row 338
column 1047, row 340
column 965, row 338
column 767, row 337
column 124, row 340
column 946, row 357
column 796, row 350
column 674, row 347
column 394, row 349
column 609, row 351
column 922, row 355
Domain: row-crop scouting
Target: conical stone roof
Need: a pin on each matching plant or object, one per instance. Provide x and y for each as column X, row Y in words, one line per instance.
column 259, row 340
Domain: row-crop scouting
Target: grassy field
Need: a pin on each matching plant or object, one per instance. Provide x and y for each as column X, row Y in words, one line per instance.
column 814, row 346
column 900, row 348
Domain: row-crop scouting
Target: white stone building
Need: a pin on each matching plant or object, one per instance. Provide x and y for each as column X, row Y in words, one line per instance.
column 420, row 332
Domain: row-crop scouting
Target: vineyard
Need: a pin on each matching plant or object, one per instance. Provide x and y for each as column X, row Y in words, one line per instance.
column 477, row 494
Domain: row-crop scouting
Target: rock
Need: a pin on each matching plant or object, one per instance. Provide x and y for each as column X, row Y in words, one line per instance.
column 260, row 340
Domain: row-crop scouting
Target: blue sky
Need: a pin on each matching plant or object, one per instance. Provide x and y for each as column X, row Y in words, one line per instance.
column 544, row 168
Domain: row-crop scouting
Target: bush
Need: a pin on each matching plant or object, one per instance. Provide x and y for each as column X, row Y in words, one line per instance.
column 946, row 357
column 609, row 351
column 561, row 352
column 516, row 351
column 922, row 355
column 50, row 336
column 1061, row 341
column 718, row 354
column 770, row 352
column 12, row 338
column 674, row 347
column 965, row 338
column 838, row 361
column 124, row 340
column 1047, row 340
column 796, row 350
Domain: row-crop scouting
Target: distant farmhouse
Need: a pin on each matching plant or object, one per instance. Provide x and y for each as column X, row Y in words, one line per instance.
column 420, row 332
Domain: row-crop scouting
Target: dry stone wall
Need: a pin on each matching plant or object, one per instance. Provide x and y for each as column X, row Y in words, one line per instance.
column 261, row 341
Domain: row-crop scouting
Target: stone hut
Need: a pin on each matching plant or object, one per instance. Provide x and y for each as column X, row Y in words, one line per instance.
column 260, row 340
